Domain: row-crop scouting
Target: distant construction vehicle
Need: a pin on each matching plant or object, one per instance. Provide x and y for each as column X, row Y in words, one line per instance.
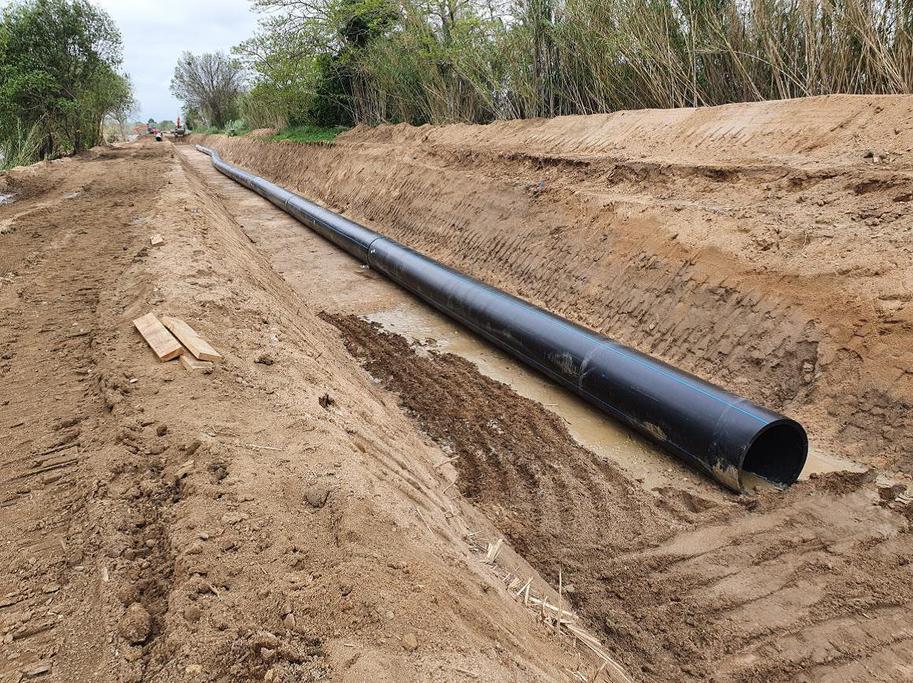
column 179, row 130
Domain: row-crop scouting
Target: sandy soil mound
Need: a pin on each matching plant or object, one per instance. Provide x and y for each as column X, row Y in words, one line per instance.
column 763, row 246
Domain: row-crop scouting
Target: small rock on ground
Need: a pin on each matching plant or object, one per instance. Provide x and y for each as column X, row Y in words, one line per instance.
column 136, row 624
column 316, row 496
column 410, row 642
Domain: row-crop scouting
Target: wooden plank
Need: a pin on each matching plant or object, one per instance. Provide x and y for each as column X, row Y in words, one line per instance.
column 198, row 346
column 195, row 365
column 159, row 339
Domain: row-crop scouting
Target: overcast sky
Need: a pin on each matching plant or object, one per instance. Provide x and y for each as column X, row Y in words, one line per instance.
column 155, row 34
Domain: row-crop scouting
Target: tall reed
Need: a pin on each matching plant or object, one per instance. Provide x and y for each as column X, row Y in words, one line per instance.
column 479, row 60
column 20, row 145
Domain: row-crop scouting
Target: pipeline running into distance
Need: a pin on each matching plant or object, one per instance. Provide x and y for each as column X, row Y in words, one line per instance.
column 728, row 437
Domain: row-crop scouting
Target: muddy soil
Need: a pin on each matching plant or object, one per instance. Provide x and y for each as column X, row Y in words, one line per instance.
column 515, row 459
column 813, row 584
column 764, row 246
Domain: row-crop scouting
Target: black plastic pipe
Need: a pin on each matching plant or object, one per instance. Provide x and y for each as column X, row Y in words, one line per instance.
column 731, row 438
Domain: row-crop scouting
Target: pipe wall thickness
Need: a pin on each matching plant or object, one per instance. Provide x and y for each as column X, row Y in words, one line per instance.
column 728, row 437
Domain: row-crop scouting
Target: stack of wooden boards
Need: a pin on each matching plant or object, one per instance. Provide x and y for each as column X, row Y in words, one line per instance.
column 170, row 337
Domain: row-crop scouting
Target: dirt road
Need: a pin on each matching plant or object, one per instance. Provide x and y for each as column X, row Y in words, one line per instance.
column 321, row 505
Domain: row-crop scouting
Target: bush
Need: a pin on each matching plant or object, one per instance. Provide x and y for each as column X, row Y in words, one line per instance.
column 331, row 103
column 20, row 146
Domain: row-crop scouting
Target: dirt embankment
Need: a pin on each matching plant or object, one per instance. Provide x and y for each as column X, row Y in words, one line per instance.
column 766, row 247
column 160, row 525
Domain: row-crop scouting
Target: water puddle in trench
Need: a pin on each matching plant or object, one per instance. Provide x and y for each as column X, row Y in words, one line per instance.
column 589, row 428
column 592, row 430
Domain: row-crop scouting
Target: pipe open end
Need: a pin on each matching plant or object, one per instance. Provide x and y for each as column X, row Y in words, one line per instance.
column 777, row 454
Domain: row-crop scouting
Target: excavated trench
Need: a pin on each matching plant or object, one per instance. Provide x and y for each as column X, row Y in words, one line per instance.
column 320, row 504
column 681, row 579
column 728, row 437
column 768, row 256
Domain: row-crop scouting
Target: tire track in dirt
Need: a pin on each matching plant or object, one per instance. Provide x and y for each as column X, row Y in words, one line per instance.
column 515, row 459
column 55, row 413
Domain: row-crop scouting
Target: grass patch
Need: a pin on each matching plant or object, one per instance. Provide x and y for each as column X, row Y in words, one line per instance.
column 303, row 134
column 306, row 134
column 232, row 129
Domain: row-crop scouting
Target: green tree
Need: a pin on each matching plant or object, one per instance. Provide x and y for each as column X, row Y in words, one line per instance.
column 210, row 83
column 380, row 60
column 59, row 75
column 305, row 59
column 284, row 75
